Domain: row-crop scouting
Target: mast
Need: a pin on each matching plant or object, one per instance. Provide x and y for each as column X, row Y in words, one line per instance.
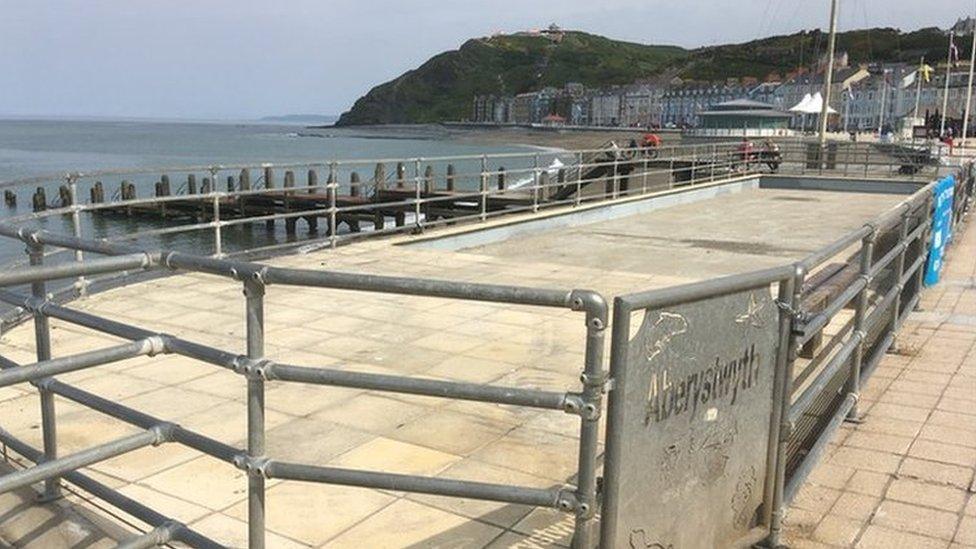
column 969, row 92
column 829, row 77
column 919, row 76
column 945, row 92
column 884, row 94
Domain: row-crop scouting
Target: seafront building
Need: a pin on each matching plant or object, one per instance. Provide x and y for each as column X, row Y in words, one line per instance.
column 865, row 97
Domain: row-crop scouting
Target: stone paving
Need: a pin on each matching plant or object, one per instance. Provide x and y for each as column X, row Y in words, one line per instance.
column 904, row 478
column 505, row 345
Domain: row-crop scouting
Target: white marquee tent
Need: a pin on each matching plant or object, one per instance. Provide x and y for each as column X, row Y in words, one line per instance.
column 811, row 105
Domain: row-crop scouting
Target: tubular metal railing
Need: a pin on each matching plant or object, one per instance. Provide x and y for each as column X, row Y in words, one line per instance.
column 886, row 254
column 580, row 499
column 822, row 357
column 421, row 193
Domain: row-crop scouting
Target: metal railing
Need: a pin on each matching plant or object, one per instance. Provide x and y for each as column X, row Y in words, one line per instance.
column 256, row 369
column 888, row 255
column 823, row 356
column 414, row 195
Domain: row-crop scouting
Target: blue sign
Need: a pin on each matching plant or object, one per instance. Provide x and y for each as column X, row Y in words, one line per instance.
column 941, row 228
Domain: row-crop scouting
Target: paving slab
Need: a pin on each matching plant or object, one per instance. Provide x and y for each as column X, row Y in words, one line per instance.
column 453, row 340
column 916, row 486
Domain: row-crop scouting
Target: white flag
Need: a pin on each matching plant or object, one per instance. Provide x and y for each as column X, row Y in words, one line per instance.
column 909, row 80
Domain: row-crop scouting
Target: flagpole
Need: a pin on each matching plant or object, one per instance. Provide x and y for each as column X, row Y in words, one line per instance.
column 884, row 93
column 847, row 111
column 829, row 77
column 945, row 92
column 969, row 93
column 918, row 86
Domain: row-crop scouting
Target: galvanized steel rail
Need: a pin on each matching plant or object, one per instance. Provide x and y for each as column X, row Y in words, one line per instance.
column 850, row 359
column 580, row 499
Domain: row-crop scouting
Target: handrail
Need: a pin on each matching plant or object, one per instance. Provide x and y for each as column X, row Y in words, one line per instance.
column 581, row 500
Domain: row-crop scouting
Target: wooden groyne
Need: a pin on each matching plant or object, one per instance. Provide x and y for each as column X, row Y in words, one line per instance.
column 381, row 200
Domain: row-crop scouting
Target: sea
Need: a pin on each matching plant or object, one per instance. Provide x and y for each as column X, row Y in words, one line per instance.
column 39, row 147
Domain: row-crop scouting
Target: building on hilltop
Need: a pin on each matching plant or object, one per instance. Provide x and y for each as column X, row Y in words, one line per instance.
column 964, row 26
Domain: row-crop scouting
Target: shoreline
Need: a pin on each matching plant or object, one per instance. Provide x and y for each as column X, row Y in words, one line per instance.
column 545, row 139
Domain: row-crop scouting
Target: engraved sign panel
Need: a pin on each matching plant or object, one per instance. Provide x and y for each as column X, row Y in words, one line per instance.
column 697, row 394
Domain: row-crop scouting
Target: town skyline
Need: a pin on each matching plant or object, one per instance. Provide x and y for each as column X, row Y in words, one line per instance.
column 866, row 96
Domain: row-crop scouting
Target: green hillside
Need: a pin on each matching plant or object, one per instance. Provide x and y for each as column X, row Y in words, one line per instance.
column 442, row 88
column 781, row 54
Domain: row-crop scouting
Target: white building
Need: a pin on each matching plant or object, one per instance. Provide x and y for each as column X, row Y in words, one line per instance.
column 641, row 106
column 605, row 108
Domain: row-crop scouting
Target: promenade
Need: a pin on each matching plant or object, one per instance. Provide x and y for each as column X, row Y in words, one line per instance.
column 904, row 477
column 443, row 339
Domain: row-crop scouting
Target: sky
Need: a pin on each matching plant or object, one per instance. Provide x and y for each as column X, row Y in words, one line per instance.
column 242, row 59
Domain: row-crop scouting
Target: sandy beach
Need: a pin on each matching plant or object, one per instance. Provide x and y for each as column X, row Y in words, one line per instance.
column 567, row 139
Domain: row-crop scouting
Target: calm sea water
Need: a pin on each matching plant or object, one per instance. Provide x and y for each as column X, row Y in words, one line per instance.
column 31, row 148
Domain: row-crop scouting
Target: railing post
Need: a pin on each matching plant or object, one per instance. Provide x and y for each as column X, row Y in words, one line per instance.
column 254, row 294
column 781, row 386
column 644, row 172
column 484, row 187
column 711, row 163
column 535, row 184
column 900, row 271
column 923, row 248
column 332, row 188
column 218, row 245
column 594, row 385
column 847, row 159
column 579, row 179
column 792, row 293
column 616, row 176
column 822, row 158
column 671, row 168
column 81, row 284
column 417, row 197
column 854, row 380
column 42, row 341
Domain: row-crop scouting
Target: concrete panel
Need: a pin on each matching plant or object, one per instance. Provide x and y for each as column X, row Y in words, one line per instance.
column 480, row 235
column 840, row 184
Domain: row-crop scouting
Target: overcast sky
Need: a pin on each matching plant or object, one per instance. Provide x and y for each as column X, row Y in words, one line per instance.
column 250, row 58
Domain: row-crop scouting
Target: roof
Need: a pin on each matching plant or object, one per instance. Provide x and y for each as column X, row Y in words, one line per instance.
column 742, row 104
column 755, row 113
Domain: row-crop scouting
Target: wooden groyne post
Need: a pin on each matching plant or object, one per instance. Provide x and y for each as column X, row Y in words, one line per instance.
column 97, row 193
column 449, row 180
column 401, row 175
column 355, row 190
column 39, row 200
column 312, row 181
column 269, row 183
column 289, row 183
column 430, row 184
column 64, row 196
column 379, row 184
